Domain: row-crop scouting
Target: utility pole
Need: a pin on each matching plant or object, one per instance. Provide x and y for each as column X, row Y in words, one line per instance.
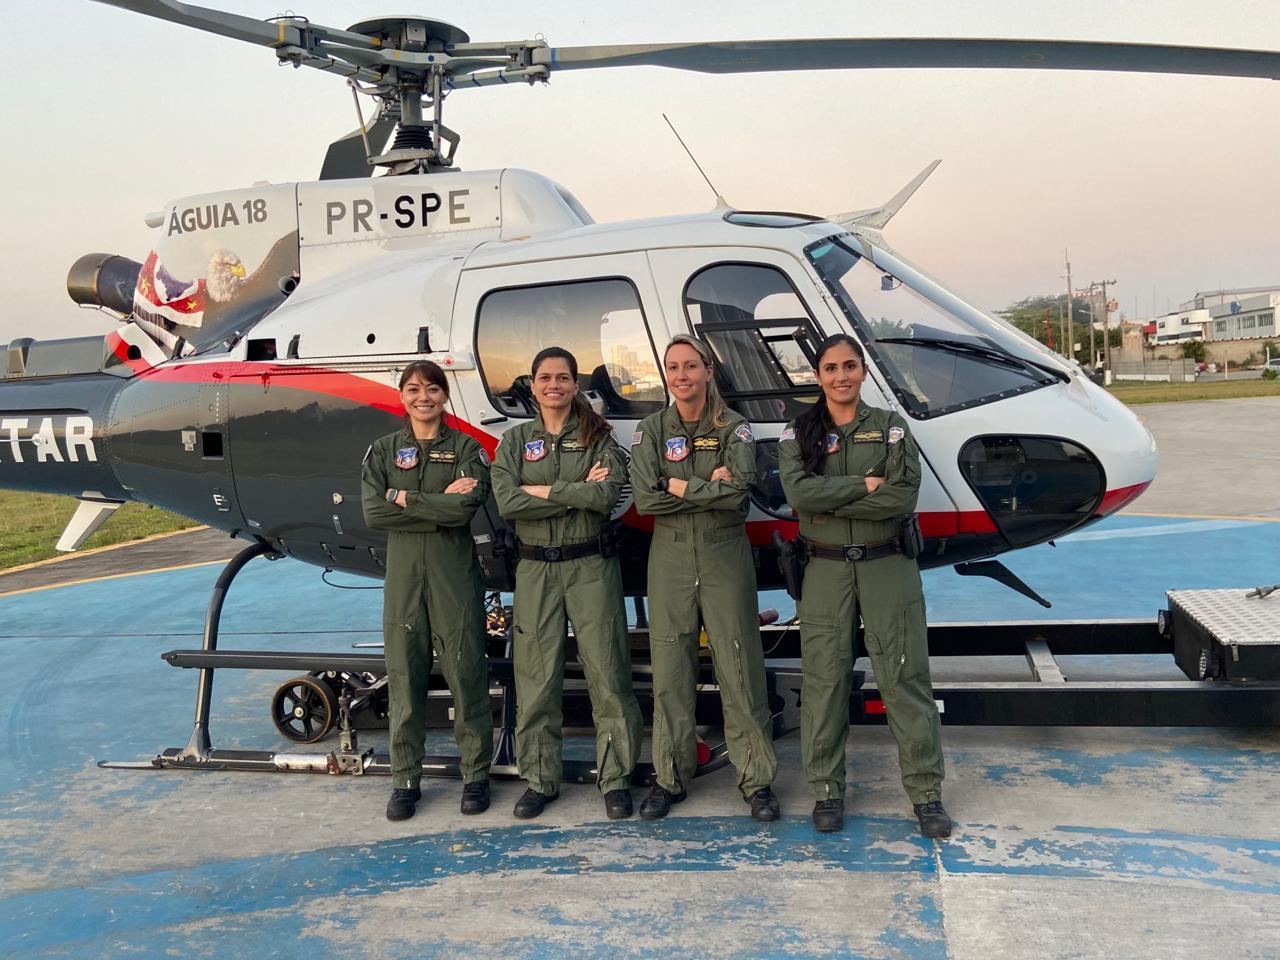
column 1066, row 314
column 1106, row 327
column 1093, row 322
column 1106, row 330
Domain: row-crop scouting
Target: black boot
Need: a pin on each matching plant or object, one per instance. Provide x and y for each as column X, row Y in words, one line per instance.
column 764, row 805
column 532, row 803
column 828, row 816
column 617, row 804
column 475, row 797
column 658, row 803
column 934, row 822
column 403, row 802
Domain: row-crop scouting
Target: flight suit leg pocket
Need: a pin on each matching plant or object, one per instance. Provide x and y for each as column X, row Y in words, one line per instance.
column 886, row 658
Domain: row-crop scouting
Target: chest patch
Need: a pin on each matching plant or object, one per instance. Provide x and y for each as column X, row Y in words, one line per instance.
column 407, row 458
column 869, row 436
column 677, row 448
column 441, row 456
column 535, row 450
column 706, row 443
column 572, row 446
column 833, row 442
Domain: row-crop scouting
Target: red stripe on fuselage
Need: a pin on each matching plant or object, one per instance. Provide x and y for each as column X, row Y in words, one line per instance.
column 333, row 383
column 1114, row 500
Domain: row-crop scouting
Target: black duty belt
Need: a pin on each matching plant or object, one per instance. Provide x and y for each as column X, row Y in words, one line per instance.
column 854, row 552
column 570, row 551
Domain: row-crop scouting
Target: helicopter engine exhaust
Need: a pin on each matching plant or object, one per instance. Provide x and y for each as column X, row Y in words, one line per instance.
column 104, row 280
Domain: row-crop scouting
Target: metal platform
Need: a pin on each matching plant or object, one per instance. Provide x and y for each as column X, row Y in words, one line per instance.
column 1226, row 634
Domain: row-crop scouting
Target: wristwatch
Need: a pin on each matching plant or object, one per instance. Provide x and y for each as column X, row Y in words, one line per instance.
column 391, row 495
column 662, row 484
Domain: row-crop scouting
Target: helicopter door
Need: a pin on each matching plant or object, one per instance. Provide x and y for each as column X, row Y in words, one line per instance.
column 604, row 310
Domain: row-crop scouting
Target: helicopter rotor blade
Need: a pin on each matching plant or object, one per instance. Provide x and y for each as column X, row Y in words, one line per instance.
column 346, row 158
column 278, row 34
column 756, row 56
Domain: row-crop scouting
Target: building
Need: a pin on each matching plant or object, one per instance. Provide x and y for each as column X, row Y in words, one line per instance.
column 1245, row 318
column 1242, row 313
column 1178, row 327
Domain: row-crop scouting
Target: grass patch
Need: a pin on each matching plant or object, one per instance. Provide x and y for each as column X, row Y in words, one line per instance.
column 30, row 524
column 1138, row 391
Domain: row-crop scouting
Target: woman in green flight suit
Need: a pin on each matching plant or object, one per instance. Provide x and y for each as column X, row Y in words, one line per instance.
column 691, row 467
column 852, row 473
column 423, row 484
column 558, row 477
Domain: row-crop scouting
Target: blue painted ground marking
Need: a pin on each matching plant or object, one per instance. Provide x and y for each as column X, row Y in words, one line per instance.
column 1223, row 764
column 1230, row 863
column 144, row 903
column 209, row 891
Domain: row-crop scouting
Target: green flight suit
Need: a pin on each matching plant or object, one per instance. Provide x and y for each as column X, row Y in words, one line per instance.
column 585, row 591
column 700, row 564
column 835, row 508
column 433, row 594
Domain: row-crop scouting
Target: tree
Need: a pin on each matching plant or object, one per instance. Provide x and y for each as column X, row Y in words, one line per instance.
column 1194, row 350
column 1029, row 315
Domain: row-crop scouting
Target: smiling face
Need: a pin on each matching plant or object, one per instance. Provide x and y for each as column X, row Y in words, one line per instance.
column 687, row 374
column 424, row 402
column 554, row 385
column 840, row 374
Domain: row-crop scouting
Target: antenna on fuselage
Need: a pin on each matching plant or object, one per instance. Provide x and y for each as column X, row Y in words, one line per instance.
column 721, row 202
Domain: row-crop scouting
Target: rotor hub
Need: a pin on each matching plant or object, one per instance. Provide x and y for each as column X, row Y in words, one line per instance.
column 413, row 34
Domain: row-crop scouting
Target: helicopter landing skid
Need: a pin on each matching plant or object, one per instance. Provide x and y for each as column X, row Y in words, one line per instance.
column 199, row 753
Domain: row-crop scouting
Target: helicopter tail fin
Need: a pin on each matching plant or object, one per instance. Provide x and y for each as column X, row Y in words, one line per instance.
column 877, row 217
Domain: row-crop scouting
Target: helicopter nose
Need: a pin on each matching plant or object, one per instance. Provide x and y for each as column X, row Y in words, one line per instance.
column 1034, row 488
column 1037, row 488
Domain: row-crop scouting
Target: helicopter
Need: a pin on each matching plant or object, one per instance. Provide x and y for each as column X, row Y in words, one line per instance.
column 259, row 340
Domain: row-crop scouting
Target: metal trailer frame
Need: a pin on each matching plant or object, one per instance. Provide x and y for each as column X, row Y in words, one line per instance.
column 1048, row 697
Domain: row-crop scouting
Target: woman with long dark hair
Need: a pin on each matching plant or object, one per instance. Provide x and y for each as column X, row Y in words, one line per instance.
column 422, row 485
column 558, row 477
column 852, row 473
column 691, row 467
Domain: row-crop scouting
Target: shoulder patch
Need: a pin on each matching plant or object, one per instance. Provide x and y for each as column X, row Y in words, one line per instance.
column 896, row 434
column 743, row 432
column 637, row 437
column 484, row 457
column 788, row 434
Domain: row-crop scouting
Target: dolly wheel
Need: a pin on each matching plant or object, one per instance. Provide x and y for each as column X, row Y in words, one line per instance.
column 304, row 709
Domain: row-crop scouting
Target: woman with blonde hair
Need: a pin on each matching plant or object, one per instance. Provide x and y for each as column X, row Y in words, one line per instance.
column 691, row 467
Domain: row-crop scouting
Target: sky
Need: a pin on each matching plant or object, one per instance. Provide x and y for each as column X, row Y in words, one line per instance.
column 1166, row 184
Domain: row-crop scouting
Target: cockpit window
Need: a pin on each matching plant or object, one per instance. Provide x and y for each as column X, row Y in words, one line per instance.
column 762, row 336
column 936, row 361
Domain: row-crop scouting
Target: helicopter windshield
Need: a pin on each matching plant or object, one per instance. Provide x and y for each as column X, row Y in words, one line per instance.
column 936, row 360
